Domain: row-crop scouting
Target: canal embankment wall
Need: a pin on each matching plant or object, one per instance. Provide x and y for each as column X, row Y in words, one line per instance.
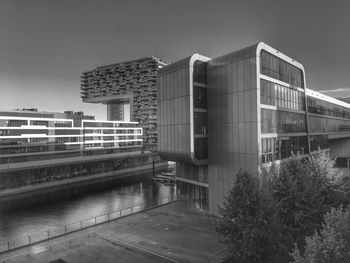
column 31, row 192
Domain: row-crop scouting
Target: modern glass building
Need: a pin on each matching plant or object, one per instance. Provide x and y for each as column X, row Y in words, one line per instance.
column 244, row 110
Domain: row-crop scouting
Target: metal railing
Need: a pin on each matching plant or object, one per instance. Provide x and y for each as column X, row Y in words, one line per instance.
column 48, row 234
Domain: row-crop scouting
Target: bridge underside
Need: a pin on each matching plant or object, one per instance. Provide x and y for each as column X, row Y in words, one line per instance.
column 119, row 107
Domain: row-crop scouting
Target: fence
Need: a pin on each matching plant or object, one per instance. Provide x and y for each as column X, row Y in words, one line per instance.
column 9, row 245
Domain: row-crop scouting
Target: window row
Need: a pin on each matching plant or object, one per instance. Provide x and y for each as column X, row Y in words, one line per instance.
column 111, row 138
column 280, row 96
column 19, row 132
column 35, row 149
column 326, row 108
column 321, row 124
column 21, row 141
column 277, row 68
column 275, row 121
column 273, row 149
column 12, row 123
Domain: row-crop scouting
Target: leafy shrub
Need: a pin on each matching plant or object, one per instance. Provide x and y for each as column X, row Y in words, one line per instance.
column 331, row 244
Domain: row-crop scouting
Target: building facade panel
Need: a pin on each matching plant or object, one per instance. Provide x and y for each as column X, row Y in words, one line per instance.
column 183, row 103
column 230, row 134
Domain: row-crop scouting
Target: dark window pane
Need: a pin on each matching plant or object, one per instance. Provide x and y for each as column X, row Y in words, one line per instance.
column 200, row 72
column 200, row 123
column 199, row 97
column 277, row 68
column 200, row 148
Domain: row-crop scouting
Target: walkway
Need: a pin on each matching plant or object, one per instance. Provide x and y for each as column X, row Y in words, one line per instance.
column 171, row 233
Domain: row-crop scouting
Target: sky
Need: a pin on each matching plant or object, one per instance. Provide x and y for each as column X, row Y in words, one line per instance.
column 45, row 45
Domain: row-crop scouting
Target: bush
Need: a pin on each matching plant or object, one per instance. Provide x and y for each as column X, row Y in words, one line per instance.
column 331, row 244
column 248, row 225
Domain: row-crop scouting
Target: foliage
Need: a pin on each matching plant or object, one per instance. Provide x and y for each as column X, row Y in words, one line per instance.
column 262, row 219
column 304, row 190
column 248, row 224
column 331, row 244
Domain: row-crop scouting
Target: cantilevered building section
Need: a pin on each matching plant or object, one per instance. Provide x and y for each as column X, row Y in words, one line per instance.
column 127, row 84
column 244, row 110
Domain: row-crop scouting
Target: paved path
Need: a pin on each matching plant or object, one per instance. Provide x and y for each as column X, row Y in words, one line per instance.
column 172, row 233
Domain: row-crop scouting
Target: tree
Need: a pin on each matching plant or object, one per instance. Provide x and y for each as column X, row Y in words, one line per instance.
column 304, row 190
column 248, row 225
column 331, row 244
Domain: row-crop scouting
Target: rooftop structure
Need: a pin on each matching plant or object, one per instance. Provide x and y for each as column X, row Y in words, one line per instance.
column 129, row 89
column 244, row 110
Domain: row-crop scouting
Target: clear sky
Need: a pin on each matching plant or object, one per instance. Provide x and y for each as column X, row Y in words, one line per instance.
column 46, row 44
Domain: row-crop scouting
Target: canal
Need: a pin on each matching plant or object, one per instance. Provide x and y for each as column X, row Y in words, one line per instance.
column 26, row 217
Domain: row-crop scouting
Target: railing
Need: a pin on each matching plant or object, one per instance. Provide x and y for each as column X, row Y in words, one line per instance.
column 10, row 245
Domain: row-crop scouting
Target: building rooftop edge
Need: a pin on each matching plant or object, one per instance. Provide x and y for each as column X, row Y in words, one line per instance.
column 127, row 62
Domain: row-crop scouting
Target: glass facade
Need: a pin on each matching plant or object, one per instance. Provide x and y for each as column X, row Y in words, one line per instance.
column 322, row 124
column 276, row 121
column 280, row 96
column 273, row 149
column 277, row 68
column 322, row 107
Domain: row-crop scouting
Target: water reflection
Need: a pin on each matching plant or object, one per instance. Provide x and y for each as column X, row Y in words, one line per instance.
column 23, row 218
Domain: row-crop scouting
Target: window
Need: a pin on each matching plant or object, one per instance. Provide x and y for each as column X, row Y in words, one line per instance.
column 273, row 149
column 200, row 72
column 318, row 141
column 199, row 97
column 200, row 123
column 273, row 121
column 200, row 148
column 277, row 68
column 280, row 96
